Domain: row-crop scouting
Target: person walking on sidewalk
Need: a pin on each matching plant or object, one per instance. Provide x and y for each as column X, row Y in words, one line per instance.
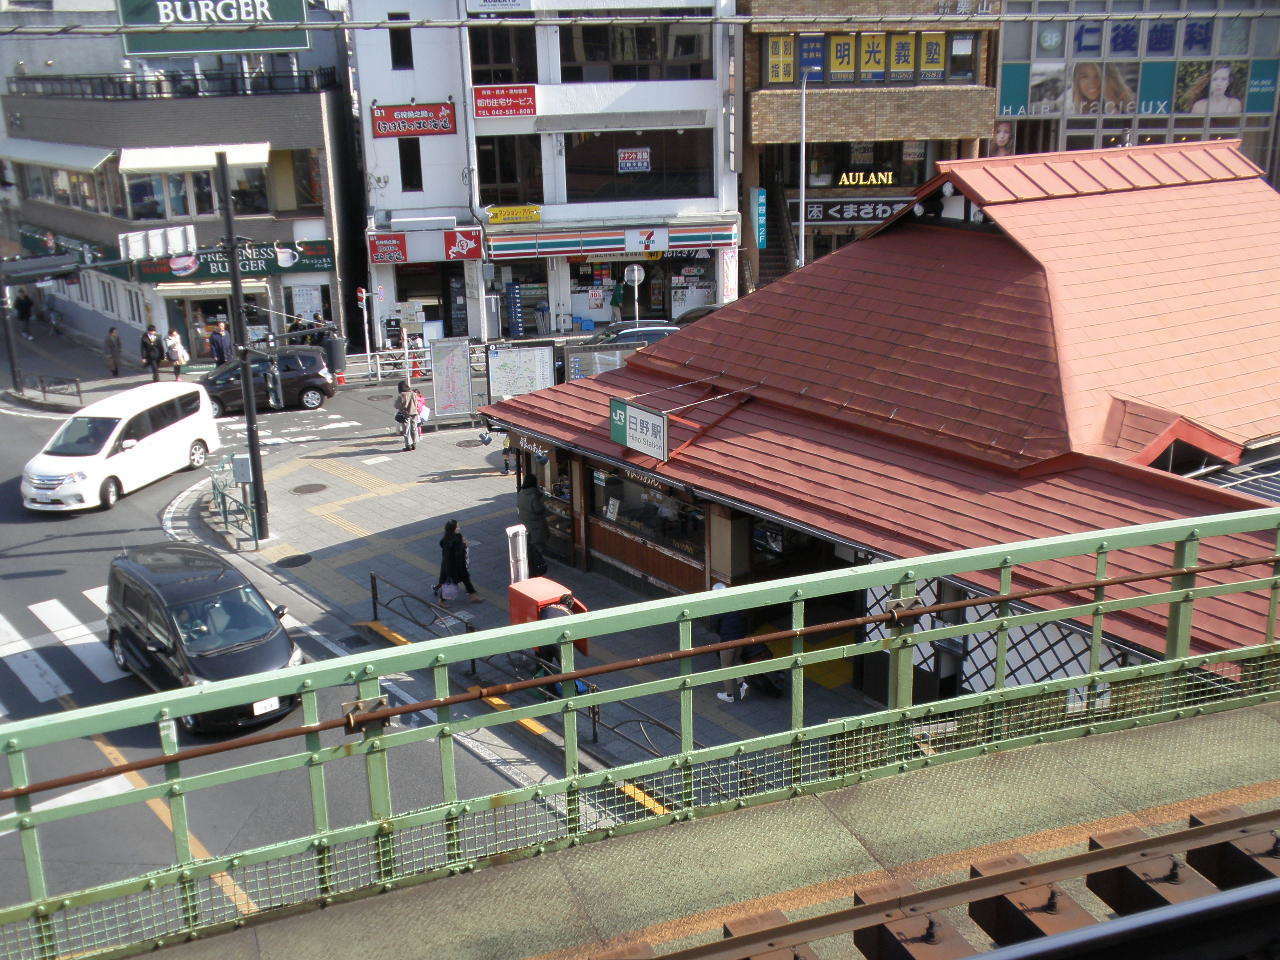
column 453, row 566
column 407, row 415
column 175, row 353
column 23, row 306
column 152, row 352
column 533, row 514
column 730, row 626
column 220, row 344
column 113, row 347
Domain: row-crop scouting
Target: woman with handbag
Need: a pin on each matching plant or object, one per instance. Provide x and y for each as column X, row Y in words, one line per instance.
column 453, row 566
column 175, row 353
column 407, row 415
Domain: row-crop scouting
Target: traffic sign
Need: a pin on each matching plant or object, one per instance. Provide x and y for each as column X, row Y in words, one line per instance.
column 634, row 274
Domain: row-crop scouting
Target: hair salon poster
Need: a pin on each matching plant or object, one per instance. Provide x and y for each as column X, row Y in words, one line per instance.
column 256, row 260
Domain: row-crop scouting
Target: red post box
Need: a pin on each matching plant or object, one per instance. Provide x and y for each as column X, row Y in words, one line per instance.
column 540, row 598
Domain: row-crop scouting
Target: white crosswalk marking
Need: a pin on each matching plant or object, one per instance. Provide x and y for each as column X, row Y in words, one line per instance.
column 79, row 638
column 36, row 675
column 109, row 787
column 98, row 597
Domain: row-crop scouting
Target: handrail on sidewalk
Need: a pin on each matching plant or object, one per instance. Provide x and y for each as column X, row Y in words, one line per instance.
column 1199, row 570
column 46, row 384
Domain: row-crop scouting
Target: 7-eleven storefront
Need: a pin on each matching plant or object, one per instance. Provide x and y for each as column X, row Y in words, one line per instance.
column 553, row 281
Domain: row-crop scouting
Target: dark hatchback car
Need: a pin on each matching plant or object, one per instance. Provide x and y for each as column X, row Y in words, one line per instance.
column 305, row 381
column 178, row 615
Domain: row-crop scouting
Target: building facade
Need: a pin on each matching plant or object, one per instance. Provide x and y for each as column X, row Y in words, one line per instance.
column 883, row 103
column 515, row 172
column 96, row 137
column 1089, row 83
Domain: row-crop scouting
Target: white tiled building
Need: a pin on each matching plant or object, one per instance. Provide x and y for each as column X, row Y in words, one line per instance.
column 572, row 150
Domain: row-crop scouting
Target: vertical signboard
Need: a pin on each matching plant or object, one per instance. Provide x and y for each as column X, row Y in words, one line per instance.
column 841, row 67
column 781, row 61
column 762, row 221
column 1261, row 95
column 931, row 61
column 812, row 50
column 1014, row 80
column 451, row 394
column 872, row 55
column 902, row 56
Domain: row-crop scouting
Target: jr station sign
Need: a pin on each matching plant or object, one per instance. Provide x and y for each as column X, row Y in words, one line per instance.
column 233, row 15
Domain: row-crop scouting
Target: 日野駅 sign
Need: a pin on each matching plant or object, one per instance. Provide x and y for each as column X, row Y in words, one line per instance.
column 231, row 14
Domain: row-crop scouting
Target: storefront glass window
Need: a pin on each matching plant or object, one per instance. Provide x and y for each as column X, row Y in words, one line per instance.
column 146, row 196
column 202, row 190
column 306, row 178
column 864, row 165
column 650, row 513
column 503, row 55
column 510, row 169
column 653, row 52
column 84, row 192
column 33, row 182
column 651, row 165
column 178, row 206
column 249, row 190
column 60, row 187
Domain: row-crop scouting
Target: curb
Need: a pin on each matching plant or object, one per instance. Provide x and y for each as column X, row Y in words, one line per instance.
column 23, row 400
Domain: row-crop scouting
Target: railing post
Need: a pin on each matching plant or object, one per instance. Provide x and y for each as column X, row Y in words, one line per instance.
column 37, row 888
column 901, row 655
column 319, row 795
column 686, row 708
column 1273, row 606
column 178, row 823
column 797, row 686
column 572, row 804
column 379, row 779
column 1178, row 635
column 1099, row 597
column 448, row 766
column 1002, row 631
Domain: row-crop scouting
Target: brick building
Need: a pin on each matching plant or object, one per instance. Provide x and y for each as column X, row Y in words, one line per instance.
column 885, row 101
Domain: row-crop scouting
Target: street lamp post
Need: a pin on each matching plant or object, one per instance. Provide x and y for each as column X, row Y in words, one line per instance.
column 805, row 72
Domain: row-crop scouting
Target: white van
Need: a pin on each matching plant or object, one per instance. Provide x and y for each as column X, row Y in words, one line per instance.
column 119, row 444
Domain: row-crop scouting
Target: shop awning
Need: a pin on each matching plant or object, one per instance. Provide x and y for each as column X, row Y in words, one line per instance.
column 218, row 288
column 179, row 159
column 64, row 156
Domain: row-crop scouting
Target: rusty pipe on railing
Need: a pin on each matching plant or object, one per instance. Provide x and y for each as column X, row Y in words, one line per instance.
column 353, row 722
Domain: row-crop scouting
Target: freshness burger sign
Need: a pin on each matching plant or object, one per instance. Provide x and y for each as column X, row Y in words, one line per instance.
column 414, row 120
column 233, row 15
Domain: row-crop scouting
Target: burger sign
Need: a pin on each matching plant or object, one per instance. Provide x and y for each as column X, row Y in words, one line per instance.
column 234, row 15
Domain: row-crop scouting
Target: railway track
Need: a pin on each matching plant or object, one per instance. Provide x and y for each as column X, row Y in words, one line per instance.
column 1209, row 890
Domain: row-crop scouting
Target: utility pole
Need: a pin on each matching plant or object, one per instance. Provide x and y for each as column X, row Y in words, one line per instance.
column 10, row 339
column 231, row 247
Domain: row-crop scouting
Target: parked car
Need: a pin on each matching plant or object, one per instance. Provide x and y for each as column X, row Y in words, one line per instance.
column 305, row 381
column 179, row 615
column 117, row 445
column 634, row 334
column 693, row 315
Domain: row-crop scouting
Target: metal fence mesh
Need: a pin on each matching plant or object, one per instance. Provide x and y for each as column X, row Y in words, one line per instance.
column 502, row 825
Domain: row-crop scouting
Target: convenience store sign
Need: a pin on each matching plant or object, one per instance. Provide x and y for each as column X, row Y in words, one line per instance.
column 638, row 429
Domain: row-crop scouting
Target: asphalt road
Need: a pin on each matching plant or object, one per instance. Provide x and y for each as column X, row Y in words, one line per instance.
column 52, row 590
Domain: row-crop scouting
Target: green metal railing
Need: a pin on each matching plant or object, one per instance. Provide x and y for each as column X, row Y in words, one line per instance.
column 385, row 848
column 234, row 510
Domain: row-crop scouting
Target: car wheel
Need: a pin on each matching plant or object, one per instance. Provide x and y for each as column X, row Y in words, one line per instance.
column 311, row 399
column 109, row 493
column 117, row 651
column 197, row 454
column 216, row 406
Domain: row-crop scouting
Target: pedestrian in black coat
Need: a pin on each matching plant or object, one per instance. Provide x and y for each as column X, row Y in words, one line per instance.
column 152, row 351
column 453, row 562
column 220, row 344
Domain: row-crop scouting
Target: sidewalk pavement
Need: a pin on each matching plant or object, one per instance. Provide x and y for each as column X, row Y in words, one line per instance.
column 70, row 357
column 341, row 510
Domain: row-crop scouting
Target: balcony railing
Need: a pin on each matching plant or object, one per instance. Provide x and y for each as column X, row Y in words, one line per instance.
column 126, row 86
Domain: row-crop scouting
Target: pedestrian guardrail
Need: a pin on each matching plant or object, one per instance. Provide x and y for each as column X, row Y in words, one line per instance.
column 53, row 386
column 232, row 506
column 1164, row 574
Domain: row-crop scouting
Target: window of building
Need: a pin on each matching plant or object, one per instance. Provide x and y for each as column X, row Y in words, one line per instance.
column 410, row 164
column 650, row 52
column 249, row 190
column 34, row 183
column 962, row 57
column 651, row 165
column 886, row 165
column 654, row 514
column 503, row 55
column 146, row 196
column 306, row 178
column 401, row 40
column 510, row 169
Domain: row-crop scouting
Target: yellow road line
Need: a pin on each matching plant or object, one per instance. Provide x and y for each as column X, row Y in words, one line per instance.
column 533, row 726
column 232, row 890
column 642, row 798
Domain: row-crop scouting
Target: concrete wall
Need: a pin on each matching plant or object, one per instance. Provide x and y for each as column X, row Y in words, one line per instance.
column 873, row 113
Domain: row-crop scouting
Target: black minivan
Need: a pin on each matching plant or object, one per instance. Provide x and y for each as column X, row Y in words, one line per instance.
column 305, row 381
column 179, row 615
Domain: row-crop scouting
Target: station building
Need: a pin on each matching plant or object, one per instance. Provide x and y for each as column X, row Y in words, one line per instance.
column 1036, row 346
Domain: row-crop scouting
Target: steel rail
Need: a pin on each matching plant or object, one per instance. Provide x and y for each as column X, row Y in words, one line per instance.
column 924, row 902
column 352, row 723
column 76, row 30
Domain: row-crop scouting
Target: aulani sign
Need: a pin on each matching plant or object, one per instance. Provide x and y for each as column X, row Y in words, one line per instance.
column 212, row 13
column 256, row 260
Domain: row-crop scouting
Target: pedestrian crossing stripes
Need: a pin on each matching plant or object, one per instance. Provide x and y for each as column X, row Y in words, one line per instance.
column 83, row 640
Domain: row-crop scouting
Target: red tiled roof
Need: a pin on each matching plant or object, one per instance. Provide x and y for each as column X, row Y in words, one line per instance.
column 893, row 496
column 936, row 335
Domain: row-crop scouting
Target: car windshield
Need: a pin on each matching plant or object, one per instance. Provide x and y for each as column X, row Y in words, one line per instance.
column 82, row 436
column 225, row 620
